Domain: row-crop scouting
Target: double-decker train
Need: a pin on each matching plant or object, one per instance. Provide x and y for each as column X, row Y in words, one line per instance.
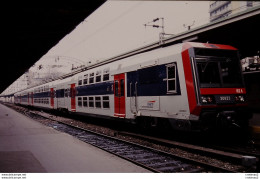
column 188, row 86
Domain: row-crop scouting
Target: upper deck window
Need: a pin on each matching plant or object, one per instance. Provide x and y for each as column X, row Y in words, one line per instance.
column 106, row 74
column 80, row 80
column 98, row 76
column 85, row 81
column 91, row 78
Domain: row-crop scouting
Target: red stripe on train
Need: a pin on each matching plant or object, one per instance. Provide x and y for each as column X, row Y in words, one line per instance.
column 206, row 91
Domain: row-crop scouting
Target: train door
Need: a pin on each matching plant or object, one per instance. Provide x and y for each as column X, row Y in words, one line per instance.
column 119, row 95
column 73, row 97
column 132, row 78
column 52, row 97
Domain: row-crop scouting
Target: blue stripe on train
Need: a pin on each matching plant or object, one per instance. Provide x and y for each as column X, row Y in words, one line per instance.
column 150, row 82
column 60, row 93
column 104, row 88
column 41, row 95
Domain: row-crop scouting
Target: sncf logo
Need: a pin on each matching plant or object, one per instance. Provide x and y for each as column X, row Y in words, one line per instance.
column 150, row 104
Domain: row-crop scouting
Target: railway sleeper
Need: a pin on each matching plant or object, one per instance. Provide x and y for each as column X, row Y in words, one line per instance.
column 183, row 168
column 116, row 148
column 139, row 155
column 195, row 170
column 149, row 160
column 167, row 163
column 85, row 136
column 130, row 152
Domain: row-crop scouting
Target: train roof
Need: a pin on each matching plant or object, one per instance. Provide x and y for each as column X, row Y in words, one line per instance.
column 188, row 45
column 152, row 54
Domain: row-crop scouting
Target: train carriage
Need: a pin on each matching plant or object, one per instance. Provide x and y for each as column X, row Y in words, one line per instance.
column 189, row 86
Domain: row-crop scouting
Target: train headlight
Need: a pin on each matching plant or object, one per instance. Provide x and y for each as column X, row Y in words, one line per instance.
column 240, row 98
column 207, row 99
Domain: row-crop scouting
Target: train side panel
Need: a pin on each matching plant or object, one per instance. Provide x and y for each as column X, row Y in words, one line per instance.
column 158, row 91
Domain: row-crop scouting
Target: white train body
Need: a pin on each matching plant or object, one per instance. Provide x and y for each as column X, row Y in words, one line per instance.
column 158, row 84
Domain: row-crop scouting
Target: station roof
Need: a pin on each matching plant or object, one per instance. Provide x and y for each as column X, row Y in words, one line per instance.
column 31, row 28
column 239, row 30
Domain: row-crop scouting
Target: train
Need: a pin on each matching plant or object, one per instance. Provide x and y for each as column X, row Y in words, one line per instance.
column 250, row 64
column 187, row 86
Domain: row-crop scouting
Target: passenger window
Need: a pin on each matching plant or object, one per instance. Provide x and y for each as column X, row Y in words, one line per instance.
column 91, row 78
column 105, row 77
column 85, row 81
column 79, row 101
column 106, row 74
column 98, row 102
column 91, row 101
column 98, row 76
column 171, row 78
column 106, row 102
column 85, row 101
column 80, row 82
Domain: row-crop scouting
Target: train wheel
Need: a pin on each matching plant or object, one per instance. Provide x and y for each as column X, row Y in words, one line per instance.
column 147, row 122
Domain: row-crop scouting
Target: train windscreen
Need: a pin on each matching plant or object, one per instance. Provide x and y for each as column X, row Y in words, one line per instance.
column 218, row 68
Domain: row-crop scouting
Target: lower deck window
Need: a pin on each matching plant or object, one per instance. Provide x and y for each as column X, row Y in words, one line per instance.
column 79, row 101
column 106, row 102
column 91, row 101
column 85, row 101
column 98, row 102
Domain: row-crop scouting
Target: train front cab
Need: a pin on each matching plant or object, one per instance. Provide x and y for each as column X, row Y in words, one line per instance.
column 215, row 86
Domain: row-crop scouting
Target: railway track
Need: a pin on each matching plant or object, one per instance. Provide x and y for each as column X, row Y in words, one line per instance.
column 147, row 157
column 236, row 155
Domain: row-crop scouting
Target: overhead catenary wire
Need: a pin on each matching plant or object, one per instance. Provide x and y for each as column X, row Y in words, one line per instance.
column 104, row 26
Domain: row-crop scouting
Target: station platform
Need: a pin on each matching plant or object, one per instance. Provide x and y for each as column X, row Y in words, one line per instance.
column 27, row 146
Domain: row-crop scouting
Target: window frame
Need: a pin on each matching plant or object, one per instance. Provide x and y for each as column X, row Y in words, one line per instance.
column 91, row 77
column 79, row 101
column 85, row 101
column 98, row 77
column 98, row 101
column 171, row 79
column 106, row 74
column 91, row 100
column 105, row 101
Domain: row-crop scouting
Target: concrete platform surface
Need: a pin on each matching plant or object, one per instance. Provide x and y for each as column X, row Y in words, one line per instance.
column 27, row 146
